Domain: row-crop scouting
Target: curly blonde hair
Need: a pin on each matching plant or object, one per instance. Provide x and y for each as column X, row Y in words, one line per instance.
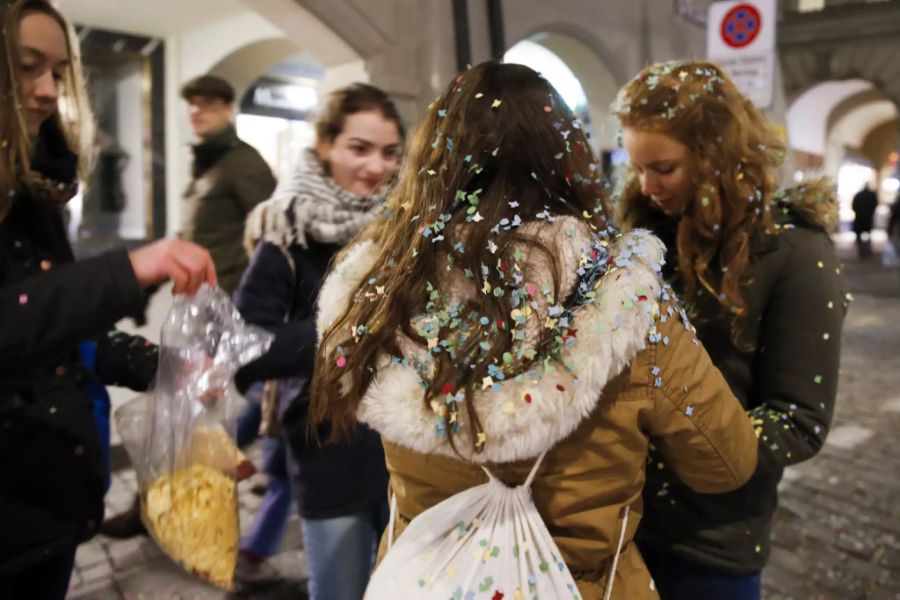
column 733, row 155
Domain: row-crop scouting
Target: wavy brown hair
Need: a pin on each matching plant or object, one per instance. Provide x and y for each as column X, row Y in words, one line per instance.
column 733, row 153
column 501, row 140
column 77, row 121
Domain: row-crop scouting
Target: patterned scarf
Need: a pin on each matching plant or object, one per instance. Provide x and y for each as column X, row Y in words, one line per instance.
column 53, row 177
column 309, row 205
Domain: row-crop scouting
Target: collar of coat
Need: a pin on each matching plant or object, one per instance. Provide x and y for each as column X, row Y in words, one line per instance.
column 210, row 149
column 527, row 415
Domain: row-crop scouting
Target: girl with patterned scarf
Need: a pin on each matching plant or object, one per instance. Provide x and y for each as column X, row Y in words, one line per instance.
column 341, row 489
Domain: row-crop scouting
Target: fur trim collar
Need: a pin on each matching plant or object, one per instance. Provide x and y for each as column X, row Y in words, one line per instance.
column 522, row 417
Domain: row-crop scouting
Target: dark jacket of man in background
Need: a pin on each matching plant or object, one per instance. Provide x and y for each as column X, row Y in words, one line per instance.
column 229, row 178
column 864, row 204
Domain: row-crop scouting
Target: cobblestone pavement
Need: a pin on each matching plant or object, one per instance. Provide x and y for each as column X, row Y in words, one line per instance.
column 136, row 569
column 836, row 534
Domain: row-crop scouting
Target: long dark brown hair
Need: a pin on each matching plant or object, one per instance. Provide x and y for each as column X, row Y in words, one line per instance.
column 498, row 148
column 733, row 155
column 76, row 121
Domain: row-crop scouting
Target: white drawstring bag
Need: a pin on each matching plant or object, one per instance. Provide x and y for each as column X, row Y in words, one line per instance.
column 487, row 542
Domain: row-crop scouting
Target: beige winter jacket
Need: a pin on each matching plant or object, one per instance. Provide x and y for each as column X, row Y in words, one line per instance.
column 635, row 375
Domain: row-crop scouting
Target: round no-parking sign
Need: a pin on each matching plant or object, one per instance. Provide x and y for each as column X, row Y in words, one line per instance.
column 740, row 25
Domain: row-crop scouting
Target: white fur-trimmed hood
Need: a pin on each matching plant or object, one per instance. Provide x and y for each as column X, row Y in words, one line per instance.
column 527, row 415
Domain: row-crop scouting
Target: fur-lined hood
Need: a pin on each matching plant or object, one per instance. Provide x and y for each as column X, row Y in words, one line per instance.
column 814, row 202
column 527, row 415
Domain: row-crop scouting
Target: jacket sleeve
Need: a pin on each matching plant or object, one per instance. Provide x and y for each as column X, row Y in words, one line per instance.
column 125, row 360
column 798, row 352
column 253, row 182
column 266, row 291
column 65, row 305
column 698, row 425
column 292, row 354
column 264, row 298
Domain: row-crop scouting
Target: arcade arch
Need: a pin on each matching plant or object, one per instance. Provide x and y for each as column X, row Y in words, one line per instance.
column 597, row 81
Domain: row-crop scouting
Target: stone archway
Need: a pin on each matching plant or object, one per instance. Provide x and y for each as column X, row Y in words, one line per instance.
column 580, row 47
column 808, row 113
column 598, row 77
column 844, row 42
column 243, row 66
column 297, row 27
column 853, row 126
column 832, row 119
column 873, row 118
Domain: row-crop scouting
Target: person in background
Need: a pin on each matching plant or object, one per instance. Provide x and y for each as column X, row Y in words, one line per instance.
column 893, row 227
column 336, row 189
column 890, row 255
column 865, row 203
column 759, row 275
column 51, row 468
column 229, row 178
column 490, row 317
column 266, row 532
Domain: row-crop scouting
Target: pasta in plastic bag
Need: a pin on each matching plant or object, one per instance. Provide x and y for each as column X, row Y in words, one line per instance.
column 180, row 437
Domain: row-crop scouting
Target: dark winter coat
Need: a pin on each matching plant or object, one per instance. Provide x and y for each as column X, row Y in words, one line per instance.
column 229, row 179
column 51, row 472
column 865, row 203
column 331, row 480
column 786, row 378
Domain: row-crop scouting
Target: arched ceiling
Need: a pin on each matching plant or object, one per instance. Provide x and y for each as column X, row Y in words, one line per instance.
column 855, row 126
column 158, row 18
column 595, row 76
column 881, row 142
column 242, row 67
column 808, row 115
column 163, row 18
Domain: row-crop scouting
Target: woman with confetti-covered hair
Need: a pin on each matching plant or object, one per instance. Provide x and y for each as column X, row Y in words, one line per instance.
column 335, row 190
column 51, row 471
column 758, row 273
column 493, row 317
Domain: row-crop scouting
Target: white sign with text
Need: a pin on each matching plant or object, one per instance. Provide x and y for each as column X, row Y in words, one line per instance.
column 740, row 37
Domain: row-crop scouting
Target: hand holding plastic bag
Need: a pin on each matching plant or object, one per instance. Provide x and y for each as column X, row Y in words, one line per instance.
column 180, row 437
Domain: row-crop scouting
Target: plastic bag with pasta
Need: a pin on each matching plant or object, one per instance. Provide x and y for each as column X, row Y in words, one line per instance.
column 180, row 437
